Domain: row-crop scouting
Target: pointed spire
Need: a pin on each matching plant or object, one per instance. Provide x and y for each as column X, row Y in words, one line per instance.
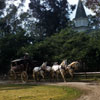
column 80, row 12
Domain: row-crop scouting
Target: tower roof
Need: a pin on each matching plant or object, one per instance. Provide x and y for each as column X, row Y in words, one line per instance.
column 80, row 12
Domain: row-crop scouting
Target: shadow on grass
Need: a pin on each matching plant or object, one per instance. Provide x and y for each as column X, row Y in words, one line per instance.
column 16, row 86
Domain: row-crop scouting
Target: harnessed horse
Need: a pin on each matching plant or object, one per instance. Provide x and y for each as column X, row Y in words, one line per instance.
column 47, row 70
column 69, row 69
column 72, row 67
column 39, row 71
column 57, row 69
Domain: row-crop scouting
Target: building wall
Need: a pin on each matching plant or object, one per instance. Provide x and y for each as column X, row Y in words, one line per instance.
column 81, row 22
column 81, row 29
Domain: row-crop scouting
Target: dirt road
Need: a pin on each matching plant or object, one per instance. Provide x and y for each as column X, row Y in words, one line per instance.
column 92, row 89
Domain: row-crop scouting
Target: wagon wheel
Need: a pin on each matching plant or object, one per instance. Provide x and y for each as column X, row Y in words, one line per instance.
column 12, row 75
column 24, row 77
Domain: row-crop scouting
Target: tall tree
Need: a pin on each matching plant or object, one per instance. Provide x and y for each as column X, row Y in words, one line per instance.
column 50, row 15
column 10, row 21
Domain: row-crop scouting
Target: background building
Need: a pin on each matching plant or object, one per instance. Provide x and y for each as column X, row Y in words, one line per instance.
column 81, row 22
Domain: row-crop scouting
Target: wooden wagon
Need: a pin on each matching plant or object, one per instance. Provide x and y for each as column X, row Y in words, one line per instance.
column 22, row 68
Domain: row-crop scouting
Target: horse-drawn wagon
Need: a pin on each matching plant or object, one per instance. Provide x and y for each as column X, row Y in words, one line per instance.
column 21, row 68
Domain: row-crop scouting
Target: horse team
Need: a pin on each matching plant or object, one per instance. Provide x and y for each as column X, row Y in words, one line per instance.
column 55, row 70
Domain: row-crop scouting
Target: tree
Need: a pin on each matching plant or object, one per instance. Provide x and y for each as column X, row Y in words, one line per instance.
column 51, row 15
column 95, row 6
column 10, row 46
column 2, row 4
column 15, row 18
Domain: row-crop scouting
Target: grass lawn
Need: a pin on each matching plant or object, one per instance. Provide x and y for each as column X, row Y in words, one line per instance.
column 38, row 92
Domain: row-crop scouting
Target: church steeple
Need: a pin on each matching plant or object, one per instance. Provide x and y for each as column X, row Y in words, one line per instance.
column 80, row 12
column 81, row 21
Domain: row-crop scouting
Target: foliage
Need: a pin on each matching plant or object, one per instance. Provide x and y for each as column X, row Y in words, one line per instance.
column 95, row 6
column 51, row 16
column 2, row 4
column 10, row 46
column 43, row 19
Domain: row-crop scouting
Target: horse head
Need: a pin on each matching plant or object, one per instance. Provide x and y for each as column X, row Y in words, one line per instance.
column 64, row 63
column 43, row 66
column 74, row 65
column 55, row 63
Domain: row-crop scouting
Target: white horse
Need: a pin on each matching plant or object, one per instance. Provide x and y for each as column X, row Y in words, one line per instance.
column 36, row 72
column 39, row 71
column 56, row 69
column 63, row 69
column 46, row 69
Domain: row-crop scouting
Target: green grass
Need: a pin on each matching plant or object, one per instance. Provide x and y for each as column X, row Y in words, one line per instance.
column 38, row 92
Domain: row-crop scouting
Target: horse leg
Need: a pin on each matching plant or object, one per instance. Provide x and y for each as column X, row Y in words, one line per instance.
column 42, row 74
column 34, row 76
column 50, row 76
column 62, row 74
column 53, row 75
column 37, row 76
column 71, row 73
column 57, row 76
